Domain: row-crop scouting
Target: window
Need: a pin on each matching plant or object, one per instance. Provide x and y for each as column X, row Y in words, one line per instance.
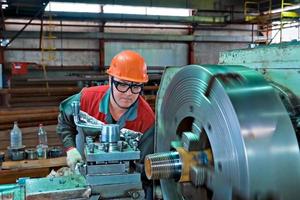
column 117, row 9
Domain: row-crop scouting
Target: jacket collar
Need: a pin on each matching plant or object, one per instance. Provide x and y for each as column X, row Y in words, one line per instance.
column 129, row 115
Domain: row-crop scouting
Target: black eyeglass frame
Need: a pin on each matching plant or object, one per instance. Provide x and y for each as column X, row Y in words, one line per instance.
column 130, row 86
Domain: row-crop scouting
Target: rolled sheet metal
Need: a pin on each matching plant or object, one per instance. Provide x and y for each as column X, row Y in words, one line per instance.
column 252, row 139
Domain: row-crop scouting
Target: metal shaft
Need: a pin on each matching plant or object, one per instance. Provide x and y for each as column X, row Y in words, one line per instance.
column 163, row 166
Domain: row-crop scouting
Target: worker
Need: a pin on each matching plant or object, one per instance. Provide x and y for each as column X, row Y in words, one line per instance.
column 120, row 103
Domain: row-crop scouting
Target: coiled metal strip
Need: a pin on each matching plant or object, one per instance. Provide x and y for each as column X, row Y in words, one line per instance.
column 251, row 136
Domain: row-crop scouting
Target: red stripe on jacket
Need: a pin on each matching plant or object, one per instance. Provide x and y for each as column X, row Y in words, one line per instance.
column 90, row 102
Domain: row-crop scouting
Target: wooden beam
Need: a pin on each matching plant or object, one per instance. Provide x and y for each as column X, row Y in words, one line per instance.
column 42, row 90
column 35, row 164
column 28, row 117
column 10, row 111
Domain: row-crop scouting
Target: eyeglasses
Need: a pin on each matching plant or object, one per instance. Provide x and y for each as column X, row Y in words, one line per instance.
column 124, row 87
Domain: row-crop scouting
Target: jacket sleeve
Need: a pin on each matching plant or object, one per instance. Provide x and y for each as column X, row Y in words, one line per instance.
column 66, row 128
column 146, row 146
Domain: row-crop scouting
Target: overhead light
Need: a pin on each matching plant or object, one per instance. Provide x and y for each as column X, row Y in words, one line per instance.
column 116, row 9
column 144, row 10
column 3, row 42
column 73, row 7
column 4, row 6
column 287, row 8
column 182, row 12
column 119, row 9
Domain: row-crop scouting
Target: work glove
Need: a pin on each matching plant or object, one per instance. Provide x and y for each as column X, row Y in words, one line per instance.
column 73, row 157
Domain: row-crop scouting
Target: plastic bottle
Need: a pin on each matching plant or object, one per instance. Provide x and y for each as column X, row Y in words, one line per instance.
column 42, row 135
column 16, row 137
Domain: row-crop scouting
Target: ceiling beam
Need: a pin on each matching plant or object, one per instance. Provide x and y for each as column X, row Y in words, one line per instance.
column 194, row 4
column 137, row 37
column 140, row 18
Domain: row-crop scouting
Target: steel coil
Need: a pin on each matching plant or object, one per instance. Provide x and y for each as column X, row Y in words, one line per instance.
column 248, row 128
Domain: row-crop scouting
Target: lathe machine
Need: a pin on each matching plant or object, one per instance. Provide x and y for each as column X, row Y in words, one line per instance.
column 228, row 131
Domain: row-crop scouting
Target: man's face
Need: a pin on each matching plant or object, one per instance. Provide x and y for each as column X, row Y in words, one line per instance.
column 125, row 92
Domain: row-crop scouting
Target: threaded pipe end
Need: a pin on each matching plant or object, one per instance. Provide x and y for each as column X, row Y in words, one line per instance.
column 163, row 166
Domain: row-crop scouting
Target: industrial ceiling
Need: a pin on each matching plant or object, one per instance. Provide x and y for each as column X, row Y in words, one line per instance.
column 31, row 8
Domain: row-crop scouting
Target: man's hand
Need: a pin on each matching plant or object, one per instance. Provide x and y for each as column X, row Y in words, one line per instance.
column 73, row 157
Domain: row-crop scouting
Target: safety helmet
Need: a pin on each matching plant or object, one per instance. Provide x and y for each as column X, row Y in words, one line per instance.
column 130, row 66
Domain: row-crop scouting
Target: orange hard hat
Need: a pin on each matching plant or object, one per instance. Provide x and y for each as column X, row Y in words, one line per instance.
column 130, row 66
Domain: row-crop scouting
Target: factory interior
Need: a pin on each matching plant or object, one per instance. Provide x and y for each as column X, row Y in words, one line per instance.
column 212, row 111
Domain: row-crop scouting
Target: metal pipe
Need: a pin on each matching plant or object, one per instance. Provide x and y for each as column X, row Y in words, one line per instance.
column 141, row 37
column 105, row 26
column 215, row 27
column 163, row 166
